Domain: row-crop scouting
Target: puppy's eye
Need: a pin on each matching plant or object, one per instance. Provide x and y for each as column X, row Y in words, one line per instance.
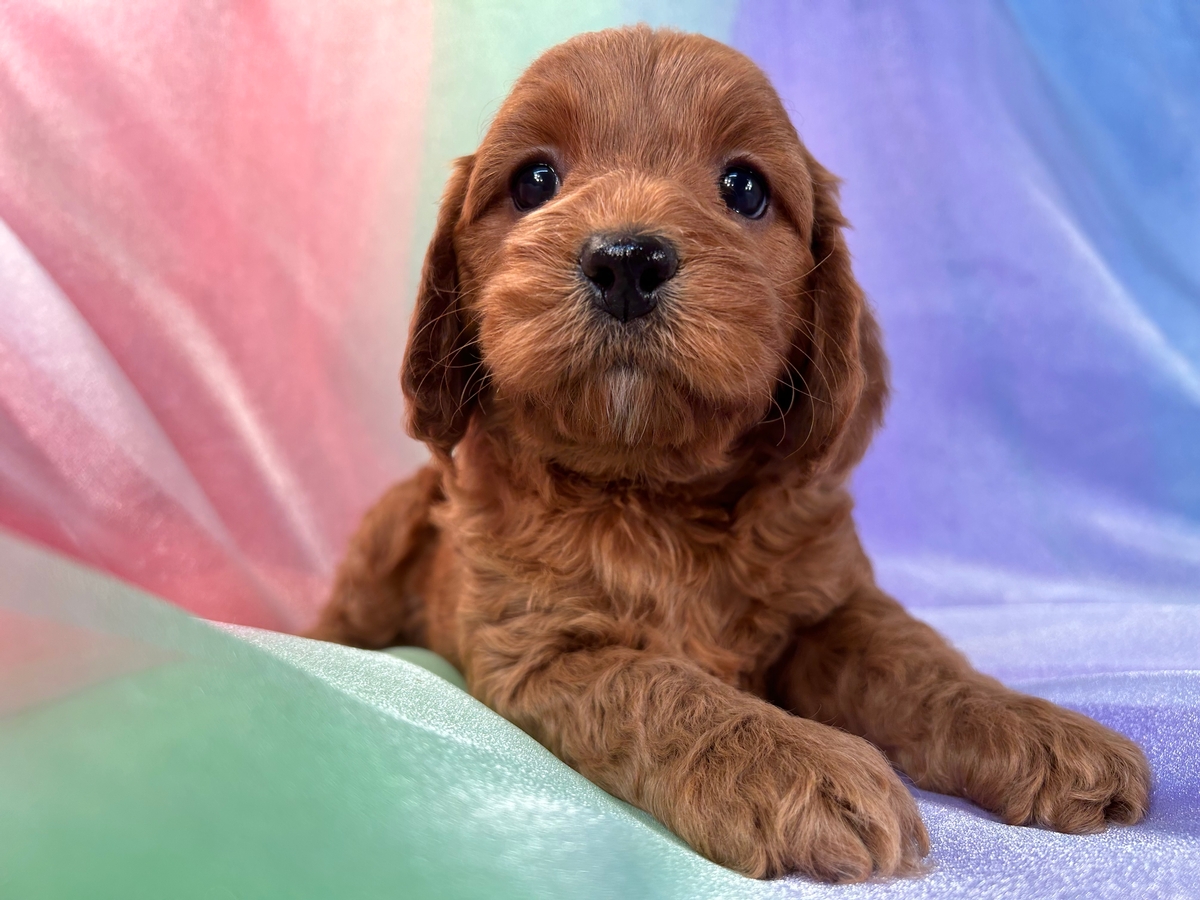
column 744, row 191
column 534, row 185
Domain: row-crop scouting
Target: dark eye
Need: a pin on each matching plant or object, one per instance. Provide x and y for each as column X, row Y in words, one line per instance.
column 534, row 185
column 744, row 191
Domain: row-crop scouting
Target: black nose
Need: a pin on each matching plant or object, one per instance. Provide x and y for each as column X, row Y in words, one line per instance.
column 625, row 273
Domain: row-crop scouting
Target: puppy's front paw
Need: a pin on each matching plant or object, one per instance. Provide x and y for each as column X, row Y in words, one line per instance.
column 808, row 799
column 1034, row 763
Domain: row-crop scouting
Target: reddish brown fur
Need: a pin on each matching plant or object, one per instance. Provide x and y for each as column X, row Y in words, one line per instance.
column 635, row 540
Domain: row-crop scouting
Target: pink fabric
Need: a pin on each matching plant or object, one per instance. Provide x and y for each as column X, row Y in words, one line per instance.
column 205, row 220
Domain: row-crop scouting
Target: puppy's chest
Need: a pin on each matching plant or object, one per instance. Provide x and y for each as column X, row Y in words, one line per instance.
column 691, row 582
column 680, row 581
column 726, row 587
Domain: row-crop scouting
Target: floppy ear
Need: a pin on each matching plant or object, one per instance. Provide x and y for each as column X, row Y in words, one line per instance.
column 441, row 376
column 835, row 387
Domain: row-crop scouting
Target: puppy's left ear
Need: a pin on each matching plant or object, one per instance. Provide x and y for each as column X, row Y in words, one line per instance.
column 442, row 375
column 837, row 369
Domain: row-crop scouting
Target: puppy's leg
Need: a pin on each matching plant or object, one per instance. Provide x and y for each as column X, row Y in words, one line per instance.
column 874, row 670
column 745, row 783
column 375, row 601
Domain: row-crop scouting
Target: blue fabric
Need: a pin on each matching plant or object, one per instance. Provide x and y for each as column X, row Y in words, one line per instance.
column 1024, row 185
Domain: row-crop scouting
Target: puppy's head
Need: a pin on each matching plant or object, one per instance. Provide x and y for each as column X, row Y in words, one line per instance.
column 642, row 271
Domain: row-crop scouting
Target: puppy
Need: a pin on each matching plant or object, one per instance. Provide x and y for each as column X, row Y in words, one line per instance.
column 645, row 371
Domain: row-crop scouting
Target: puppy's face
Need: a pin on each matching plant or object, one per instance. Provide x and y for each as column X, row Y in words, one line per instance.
column 635, row 250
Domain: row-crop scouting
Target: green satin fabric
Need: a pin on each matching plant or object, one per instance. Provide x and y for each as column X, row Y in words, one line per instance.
column 145, row 753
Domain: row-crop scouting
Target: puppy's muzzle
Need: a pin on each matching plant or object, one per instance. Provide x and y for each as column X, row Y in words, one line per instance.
column 625, row 272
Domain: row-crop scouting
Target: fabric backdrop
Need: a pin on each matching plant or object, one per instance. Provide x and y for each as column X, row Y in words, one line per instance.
column 211, row 216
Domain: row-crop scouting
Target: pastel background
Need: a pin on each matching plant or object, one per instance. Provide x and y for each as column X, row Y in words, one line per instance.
column 211, row 218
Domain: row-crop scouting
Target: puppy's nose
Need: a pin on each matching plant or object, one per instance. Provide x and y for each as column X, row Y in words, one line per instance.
column 625, row 272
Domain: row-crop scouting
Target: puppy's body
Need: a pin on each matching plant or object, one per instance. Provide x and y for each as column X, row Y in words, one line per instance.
column 722, row 580
column 635, row 538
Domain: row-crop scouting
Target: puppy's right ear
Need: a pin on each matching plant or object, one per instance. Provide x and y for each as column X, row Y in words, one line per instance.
column 442, row 376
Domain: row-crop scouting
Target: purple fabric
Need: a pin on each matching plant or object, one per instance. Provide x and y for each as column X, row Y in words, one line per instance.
column 1136, row 669
column 1024, row 185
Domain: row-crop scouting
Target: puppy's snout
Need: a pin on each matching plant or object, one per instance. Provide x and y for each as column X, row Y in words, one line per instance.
column 624, row 273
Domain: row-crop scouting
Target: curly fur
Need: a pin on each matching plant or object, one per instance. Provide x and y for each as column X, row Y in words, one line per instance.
column 636, row 540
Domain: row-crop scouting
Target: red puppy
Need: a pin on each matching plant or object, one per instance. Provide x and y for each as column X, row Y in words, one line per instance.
column 645, row 371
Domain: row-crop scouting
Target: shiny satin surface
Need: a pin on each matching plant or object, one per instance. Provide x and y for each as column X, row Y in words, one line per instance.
column 179, row 759
column 211, row 219
column 1023, row 179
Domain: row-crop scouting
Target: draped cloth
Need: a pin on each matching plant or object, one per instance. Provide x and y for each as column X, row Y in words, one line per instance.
column 210, row 222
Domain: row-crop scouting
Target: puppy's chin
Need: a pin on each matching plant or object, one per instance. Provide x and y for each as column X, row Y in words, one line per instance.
column 627, row 422
column 630, row 403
